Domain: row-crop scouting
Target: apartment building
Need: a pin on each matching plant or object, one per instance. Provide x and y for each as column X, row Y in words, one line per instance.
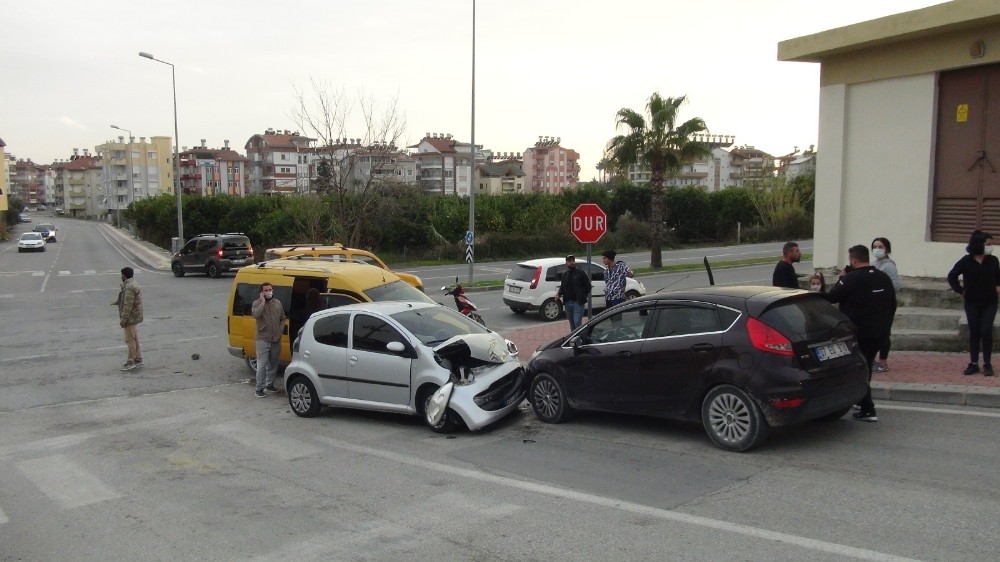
column 213, row 171
column 28, row 182
column 279, row 162
column 549, row 167
column 722, row 168
column 445, row 165
column 135, row 169
column 80, row 183
column 503, row 174
column 4, row 182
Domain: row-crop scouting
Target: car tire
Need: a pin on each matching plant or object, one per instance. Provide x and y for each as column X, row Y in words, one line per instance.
column 550, row 310
column 177, row 268
column 251, row 363
column 632, row 295
column 212, row 270
column 302, row 397
column 448, row 423
column 833, row 416
column 548, row 399
column 20, row 250
column 732, row 420
column 43, row 248
column 518, row 310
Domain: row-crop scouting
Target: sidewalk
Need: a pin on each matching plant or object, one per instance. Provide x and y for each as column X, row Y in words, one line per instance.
column 913, row 376
column 149, row 254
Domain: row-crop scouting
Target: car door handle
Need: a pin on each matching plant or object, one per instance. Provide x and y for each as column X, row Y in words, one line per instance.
column 702, row 347
column 624, row 354
column 353, row 359
column 306, row 353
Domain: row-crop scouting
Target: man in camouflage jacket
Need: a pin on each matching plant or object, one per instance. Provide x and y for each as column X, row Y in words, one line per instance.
column 130, row 316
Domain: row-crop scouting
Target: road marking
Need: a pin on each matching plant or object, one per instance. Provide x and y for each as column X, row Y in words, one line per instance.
column 64, row 273
column 37, row 273
column 26, row 357
column 185, row 340
column 592, row 499
column 44, row 283
column 64, row 482
column 883, row 406
column 89, row 272
column 3, row 518
column 250, row 436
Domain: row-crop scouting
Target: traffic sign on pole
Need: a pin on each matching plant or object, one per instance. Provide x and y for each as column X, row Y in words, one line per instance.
column 588, row 223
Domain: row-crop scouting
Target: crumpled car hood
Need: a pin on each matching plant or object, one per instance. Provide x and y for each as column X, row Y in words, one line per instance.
column 475, row 349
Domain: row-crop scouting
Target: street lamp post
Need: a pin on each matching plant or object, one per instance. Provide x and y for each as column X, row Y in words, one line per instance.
column 128, row 179
column 177, row 164
column 472, row 168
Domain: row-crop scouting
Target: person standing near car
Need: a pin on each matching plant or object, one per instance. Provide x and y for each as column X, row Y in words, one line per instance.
column 980, row 273
column 784, row 272
column 270, row 316
column 616, row 274
column 867, row 297
column 129, row 304
column 574, row 289
column 881, row 248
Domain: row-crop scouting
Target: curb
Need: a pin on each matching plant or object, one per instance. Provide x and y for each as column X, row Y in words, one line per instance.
column 152, row 256
column 955, row 395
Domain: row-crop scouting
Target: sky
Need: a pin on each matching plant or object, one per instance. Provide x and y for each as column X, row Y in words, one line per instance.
column 559, row 68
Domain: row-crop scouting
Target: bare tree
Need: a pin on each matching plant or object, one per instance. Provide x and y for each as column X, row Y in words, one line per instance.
column 355, row 168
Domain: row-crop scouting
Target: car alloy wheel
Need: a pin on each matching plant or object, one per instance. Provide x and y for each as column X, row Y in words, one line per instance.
column 550, row 310
column 732, row 420
column 178, row 269
column 213, row 271
column 632, row 295
column 449, row 421
column 302, row 397
column 252, row 364
column 548, row 399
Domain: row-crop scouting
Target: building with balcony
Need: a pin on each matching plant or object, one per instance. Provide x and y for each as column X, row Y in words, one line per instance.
column 213, row 171
column 279, row 162
column 81, row 188
column 28, row 182
column 445, row 165
column 722, row 168
column 136, row 169
column 550, row 168
column 501, row 176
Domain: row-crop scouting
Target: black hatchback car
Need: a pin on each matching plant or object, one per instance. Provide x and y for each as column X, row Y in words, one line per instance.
column 213, row 254
column 739, row 359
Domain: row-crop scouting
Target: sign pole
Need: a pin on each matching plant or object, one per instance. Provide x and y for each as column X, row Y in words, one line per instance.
column 590, row 297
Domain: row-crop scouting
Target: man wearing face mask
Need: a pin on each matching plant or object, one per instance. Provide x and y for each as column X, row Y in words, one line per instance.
column 270, row 316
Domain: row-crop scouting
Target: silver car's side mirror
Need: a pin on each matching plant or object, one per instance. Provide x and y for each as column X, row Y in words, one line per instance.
column 395, row 347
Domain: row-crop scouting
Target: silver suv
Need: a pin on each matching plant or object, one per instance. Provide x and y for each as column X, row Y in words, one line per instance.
column 213, row 254
column 532, row 285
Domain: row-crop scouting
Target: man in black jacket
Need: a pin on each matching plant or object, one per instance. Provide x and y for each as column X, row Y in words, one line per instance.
column 868, row 299
column 574, row 289
column 784, row 272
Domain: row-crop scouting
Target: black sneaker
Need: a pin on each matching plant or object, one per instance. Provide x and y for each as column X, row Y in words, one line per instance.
column 987, row 370
column 971, row 369
column 259, row 394
column 270, row 388
column 866, row 416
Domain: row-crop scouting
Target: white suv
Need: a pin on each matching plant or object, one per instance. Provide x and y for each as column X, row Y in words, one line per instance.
column 533, row 285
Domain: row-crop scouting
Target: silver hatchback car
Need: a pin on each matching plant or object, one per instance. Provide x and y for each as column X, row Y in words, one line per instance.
column 405, row 357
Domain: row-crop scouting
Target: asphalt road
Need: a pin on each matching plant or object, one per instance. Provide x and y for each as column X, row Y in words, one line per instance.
column 179, row 462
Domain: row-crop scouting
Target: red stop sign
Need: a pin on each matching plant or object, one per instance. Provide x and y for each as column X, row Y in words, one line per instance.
column 588, row 223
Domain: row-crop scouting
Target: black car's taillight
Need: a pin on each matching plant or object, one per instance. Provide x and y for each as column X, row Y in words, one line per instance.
column 766, row 338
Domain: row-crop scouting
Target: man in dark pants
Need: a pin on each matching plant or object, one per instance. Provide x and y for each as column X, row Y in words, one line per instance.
column 574, row 290
column 868, row 299
column 784, row 272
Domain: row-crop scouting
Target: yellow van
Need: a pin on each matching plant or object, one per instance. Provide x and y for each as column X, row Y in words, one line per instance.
column 337, row 252
column 338, row 283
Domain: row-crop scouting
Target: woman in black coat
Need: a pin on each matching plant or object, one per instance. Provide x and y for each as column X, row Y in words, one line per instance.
column 980, row 273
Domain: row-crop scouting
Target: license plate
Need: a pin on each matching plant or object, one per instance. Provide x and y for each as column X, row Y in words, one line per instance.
column 239, row 261
column 832, row 351
column 513, row 290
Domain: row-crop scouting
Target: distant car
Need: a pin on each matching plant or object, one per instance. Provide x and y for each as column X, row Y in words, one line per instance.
column 31, row 242
column 25, row 218
column 337, row 252
column 48, row 229
column 532, row 285
column 740, row 360
column 42, row 207
column 213, row 254
column 405, row 357
column 59, row 211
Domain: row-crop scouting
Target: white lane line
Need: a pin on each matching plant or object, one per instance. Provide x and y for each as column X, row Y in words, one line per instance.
column 185, row 340
column 884, row 406
column 64, row 273
column 45, row 282
column 26, row 357
column 250, row 436
column 66, row 483
column 592, row 499
column 89, row 272
column 37, row 273
column 108, row 348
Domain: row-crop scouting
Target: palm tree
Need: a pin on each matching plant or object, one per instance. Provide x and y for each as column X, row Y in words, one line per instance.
column 661, row 146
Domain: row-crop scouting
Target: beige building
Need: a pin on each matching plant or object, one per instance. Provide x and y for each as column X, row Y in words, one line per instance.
column 4, row 183
column 549, row 167
column 909, row 133
column 213, row 171
column 136, row 170
column 81, row 182
column 279, row 162
column 499, row 178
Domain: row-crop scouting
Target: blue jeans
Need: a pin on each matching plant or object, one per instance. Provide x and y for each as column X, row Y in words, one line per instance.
column 268, row 354
column 574, row 313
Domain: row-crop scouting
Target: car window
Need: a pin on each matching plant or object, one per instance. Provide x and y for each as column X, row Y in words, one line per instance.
column 205, row 245
column 436, row 325
column 523, row 273
column 189, row 247
column 31, row 236
column 334, row 300
column 686, row 319
column 236, row 243
column 596, row 271
column 332, row 330
column 555, row 273
column 800, row 319
column 627, row 325
column 373, row 334
column 368, row 260
column 397, row 291
column 244, row 297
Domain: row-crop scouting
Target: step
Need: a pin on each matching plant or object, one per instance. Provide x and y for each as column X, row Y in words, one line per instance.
column 929, row 295
column 924, row 318
column 928, row 340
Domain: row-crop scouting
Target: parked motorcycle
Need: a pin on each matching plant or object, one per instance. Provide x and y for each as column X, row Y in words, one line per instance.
column 464, row 305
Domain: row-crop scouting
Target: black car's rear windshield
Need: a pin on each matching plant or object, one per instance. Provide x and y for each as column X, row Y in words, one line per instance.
column 801, row 319
column 236, row 243
column 522, row 272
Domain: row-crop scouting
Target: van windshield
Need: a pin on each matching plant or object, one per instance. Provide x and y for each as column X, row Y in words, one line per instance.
column 398, row 291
